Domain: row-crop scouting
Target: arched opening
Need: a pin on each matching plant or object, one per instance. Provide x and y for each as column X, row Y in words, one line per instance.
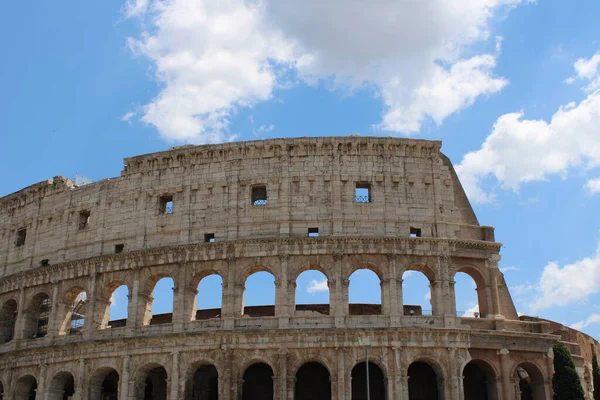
column 469, row 292
column 162, row 301
column 38, row 316
column 258, row 382
column 153, row 384
column 210, row 297
column 26, row 388
column 259, row 295
column 479, row 381
column 422, row 382
column 117, row 307
column 8, row 319
column 416, row 293
column 104, row 385
column 76, row 300
column 62, row 387
column 1, row 390
column 364, row 293
column 312, row 382
column 312, row 293
column 203, row 384
column 376, row 382
column 530, row 382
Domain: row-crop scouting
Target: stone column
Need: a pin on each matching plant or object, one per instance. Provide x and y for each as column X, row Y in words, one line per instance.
column 80, row 385
column 40, row 393
column 174, row 376
column 384, row 284
column 338, row 303
column 56, row 313
column 436, row 308
column 124, row 381
column 398, row 388
column 345, row 304
column 507, row 387
column 341, row 374
column 393, row 300
column 549, row 358
column 91, row 321
column 21, row 316
column 454, row 377
column 284, row 298
column 492, row 267
column 451, row 298
column 399, row 293
column 132, row 312
column 405, row 393
column 332, row 285
column 283, row 363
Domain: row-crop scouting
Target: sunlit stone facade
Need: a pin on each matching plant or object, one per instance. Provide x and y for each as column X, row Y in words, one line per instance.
column 383, row 204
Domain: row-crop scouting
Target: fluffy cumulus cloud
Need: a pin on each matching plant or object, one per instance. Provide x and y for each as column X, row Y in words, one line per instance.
column 568, row 284
column 587, row 70
column 592, row 319
column 315, row 286
column 593, row 185
column 213, row 57
column 520, row 150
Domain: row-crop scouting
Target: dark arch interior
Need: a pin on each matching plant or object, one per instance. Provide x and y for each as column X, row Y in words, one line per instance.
column 156, row 384
column 422, row 382
column 258, row 382
column 110, row 386
column 62, row 387
column 26, row 388
column 359, row 382
column 205, row 384
column 312, row 382
column 8, row 317
column 475, row 382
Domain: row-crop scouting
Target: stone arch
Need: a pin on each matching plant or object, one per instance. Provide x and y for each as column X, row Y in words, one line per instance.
column 37, row 316
column 316, row 285
column 417, row 293
column 61, row 387
column 365, row 306
column 104, row 384
column 425, row 380
column 377, row 269
column 105, row 300
column 246, row 272
column 262, row 309
column 151, row 382
column 74, row 305
column 303, row 267
column 313, row 382
column 25, row 388
column 257, row 382
column 529, row 381
column 479, row 380
column 147, row 299
column 196, row 282
column 423, row 268
column 377, row 378
column 202, row 381
column 8, row 320
column 481, row 287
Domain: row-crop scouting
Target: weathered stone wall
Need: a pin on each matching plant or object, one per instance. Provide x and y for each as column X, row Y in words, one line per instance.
column 309, row 182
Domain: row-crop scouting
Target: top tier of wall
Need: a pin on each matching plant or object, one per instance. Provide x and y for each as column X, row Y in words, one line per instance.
column 310, row 183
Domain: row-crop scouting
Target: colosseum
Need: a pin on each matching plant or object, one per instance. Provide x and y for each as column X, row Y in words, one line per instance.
column 285, row 206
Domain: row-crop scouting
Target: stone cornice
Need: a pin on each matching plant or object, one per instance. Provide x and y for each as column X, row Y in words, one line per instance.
column 355, row 145
column 246, row 249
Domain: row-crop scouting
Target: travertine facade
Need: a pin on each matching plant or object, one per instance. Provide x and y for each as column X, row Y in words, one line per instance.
column 258, row 200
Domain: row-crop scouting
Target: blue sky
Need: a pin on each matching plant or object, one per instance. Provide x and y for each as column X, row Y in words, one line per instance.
column 509, row 86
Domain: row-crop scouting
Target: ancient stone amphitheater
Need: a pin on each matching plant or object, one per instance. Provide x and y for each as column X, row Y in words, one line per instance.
column 285, row 206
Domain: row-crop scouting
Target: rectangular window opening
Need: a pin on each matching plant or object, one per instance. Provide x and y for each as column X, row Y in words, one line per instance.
column 165, row 204
column 45, row 262
column 20, row 238
column 209, row 237
column 415, row 232
column 313, row 232
column 362, row 193
column 119, row 248
column 84, row 219
column 259, row 195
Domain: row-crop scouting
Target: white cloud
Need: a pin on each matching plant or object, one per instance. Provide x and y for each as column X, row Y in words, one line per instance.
column 561, row 286
column 592, row 319
column 212, row 58
column 588, row 70
column 127, row 117
column 428, row 295
column 114, row 299
column 520, row 150
column 317, row 286
column 593, row 185
column 508, row 269
column 471, row 311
